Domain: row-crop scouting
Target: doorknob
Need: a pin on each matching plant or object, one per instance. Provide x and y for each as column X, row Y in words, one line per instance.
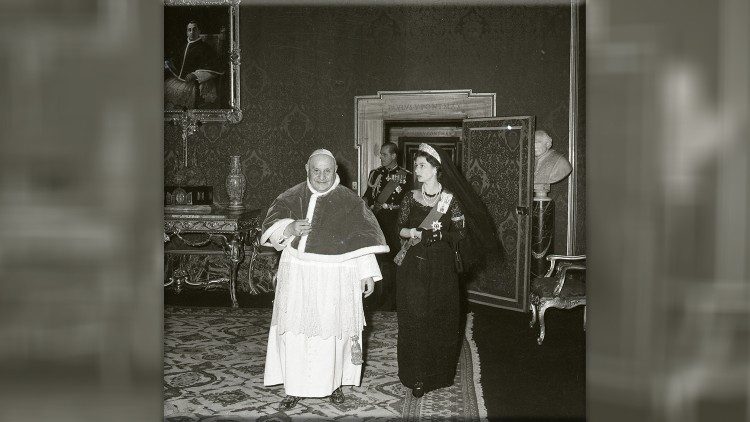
column 522, row 210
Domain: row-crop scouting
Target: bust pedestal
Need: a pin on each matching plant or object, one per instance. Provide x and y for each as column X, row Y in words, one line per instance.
column 542, row 234
column 549, row 167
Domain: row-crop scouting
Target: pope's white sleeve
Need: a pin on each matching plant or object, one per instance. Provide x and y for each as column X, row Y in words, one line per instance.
column 277, row 239
column 367, row 266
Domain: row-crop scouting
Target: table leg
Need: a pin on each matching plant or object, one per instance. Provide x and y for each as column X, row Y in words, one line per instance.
column 236, row 253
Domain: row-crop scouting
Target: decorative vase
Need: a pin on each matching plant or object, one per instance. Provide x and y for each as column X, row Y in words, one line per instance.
column 235, row 184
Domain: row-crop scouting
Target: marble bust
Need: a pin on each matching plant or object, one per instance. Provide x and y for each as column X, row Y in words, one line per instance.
column 549, row 165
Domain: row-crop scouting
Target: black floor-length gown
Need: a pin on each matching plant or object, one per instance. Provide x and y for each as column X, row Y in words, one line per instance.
column 428, row 301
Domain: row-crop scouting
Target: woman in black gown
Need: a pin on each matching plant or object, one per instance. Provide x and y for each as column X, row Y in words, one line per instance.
column 427, row 281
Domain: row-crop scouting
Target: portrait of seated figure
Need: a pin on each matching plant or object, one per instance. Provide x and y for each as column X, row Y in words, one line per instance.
column 195, row 64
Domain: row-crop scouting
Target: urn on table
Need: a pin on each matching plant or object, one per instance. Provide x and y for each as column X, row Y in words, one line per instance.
column 235, row 184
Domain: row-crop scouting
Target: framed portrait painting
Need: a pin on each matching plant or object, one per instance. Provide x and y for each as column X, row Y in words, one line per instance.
column 202, row 60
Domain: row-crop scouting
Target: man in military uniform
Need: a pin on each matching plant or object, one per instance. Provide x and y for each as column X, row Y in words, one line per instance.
column 386, row 187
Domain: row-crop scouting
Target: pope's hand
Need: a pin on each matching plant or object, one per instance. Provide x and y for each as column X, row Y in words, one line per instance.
column 367, row 285
column 298, row 228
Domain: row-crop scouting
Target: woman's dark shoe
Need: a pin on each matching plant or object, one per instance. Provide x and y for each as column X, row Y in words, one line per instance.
column 417, row 392
column 337, row 397
column 289, row 402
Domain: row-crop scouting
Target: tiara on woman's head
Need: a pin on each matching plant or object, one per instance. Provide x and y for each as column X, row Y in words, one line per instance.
column 430, row 150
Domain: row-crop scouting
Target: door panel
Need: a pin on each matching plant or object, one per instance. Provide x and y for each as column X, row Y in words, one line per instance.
column 497, row 161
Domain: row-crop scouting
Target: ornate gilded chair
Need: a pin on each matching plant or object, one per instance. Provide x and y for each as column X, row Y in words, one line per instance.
column 563, row 287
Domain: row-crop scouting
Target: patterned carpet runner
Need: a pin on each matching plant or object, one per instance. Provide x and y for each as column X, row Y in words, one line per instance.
column 213, row 371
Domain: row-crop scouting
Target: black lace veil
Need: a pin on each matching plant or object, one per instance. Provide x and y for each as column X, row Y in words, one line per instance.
column 482, row 243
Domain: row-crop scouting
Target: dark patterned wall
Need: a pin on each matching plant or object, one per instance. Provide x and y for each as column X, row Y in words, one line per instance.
column 303, row 66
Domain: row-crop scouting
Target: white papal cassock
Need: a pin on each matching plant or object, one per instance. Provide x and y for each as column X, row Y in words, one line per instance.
column 317, row 314
column 309, row 346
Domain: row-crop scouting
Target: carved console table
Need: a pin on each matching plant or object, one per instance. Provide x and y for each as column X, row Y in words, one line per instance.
column 230, row 230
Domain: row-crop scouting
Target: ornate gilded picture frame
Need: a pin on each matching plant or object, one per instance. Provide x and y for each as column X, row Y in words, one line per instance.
column 202, row 61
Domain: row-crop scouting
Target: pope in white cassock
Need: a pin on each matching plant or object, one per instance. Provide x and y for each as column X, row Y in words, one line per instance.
column 329, row 237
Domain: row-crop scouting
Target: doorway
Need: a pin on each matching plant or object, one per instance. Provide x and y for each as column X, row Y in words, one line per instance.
column 408, row 134
column 495, row 155
column 376, row 115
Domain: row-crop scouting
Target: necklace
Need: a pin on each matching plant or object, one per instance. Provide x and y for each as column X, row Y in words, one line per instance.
column 428, row 198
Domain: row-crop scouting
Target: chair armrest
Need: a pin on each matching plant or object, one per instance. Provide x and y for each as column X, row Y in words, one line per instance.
column 553, row 258
column 565, row 270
